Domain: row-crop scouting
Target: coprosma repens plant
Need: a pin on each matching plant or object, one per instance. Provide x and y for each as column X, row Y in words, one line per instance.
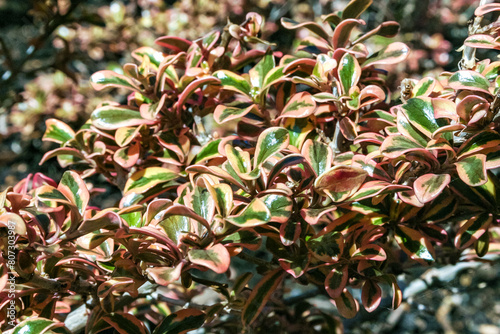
column 236, row 161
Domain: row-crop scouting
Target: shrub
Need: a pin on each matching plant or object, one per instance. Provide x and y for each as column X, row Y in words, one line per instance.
column 237, row 161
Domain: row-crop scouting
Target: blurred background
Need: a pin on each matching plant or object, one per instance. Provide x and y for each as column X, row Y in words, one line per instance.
column 49, row 49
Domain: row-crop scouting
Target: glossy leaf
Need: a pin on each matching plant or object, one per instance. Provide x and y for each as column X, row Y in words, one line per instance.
column 346, row 305
column 355, row 8
column 114, row 117
column 147, row 178
column 260, row 71
column 469, row 80
column 215, row 258
column 208, row 151
column 429, row 186
column 74, row 189
column 106, row 78
column 472, row 230
column 371, row 295
column 420, row 112
column 396, row 145
column 255, row 213
column 312, row 26
column 472, row 170
column 414, row 244
column 369, row 252
column 336, row 281
column 233, row 82
column 260, row 295
column 391, row 54
column 340, row 181
column 181, row 322
column 223, row 197
column 319, row 155
column 125, row 323
column 326, row 247
column 482, row 140
column 40, row 325
column 349, row 72
column 224, row 113
column 174, row 43
column 300, row 105
column 280, row 207
column 57, row 131
column 270, row 142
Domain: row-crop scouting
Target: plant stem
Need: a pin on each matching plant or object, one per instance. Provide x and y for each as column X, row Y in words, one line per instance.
column 468, row 60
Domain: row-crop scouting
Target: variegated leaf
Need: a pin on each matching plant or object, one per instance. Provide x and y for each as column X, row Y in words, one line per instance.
column 260, row 295
column 181, row 322
column 254, row 214
column 429, row 186
column 215, row 258
column 472, row 230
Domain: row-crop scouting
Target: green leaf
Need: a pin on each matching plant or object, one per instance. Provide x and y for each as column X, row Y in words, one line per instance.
column 413, row 243
column 349, row 72
column 181, row 322
column 115, row 117
column 346, row 305
column 147, row 178
column 175, row 227
column 298, row 130
column 472, row 170
column 279, row 206
column 371, row 295
column 39, row 325
column 192, row 87
column 339, row 182
column 429, row 186
column 246, row 238
column 273, row 76
column 481, row 41
column 395, row 146
column 369, row 252
column 300, row 105
column 255, row 213
column 216, row 258
column 318, row 154
column 260, row 295
column 424, row 87
column 74, row 189
column 270, row 142
column 326, row 247
column 482, row 140
column 472, row 230
column 391, row 54
column 165, row 275
column 57, row 131
column 420, row 112
column 208, row 151
column 223, row 197
column 355, row 8
column 312, row 26
column 125, row 323
column 469, row 80
column 342, row 32
column 260, row 71
column 106, row 78
column 226, row 113
column 203, row 203
column 174, row 43
column 66, row 152
column 336, row 281
column 233, row 82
